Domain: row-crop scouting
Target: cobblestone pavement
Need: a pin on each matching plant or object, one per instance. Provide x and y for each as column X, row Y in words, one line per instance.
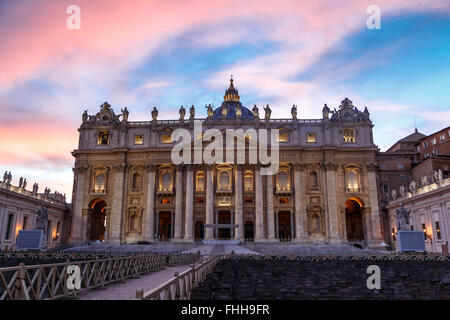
column 127, row 290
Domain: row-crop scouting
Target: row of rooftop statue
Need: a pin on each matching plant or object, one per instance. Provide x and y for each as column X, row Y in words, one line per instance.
column 346, row 112
column 437, row 178
column 7, row 178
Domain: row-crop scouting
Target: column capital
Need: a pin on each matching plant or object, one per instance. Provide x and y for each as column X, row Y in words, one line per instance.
column 120, row 167
column 299, row 166
column 81, row 168
column 329, row 165
column 371, row 166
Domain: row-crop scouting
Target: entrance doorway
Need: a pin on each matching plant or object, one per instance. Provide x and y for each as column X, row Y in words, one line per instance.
column 165, row 225
column 354, row 218
column 224, row 217
column 284, row 225
column 249, row 231
column 98, row 220
column 199, row 230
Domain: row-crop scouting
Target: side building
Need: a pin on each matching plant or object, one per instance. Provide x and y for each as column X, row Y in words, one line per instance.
column 127, row 188
column 415, row 172
column 18, row 211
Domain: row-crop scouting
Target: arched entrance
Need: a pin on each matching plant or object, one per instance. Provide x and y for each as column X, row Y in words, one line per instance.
column 97, row 210
column 165, row 225
column 249, row 231
column 224, row 217
column 199, row 230
column 354, row 208
column 284, row 225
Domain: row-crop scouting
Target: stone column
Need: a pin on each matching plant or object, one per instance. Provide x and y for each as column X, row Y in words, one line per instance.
column 117, row 204
column 149, row 218
column 259, row 221
column 300, row 205
column 76, row 237
column 157, row 225
column 189, row 217
column 238, row 205
column 177, row 224
column 172, row 224
column 375, row 218
column 209, row 202
column 333, row 220
column 292, row 224
column 276, row 225
column 232, row 233
column 270, row 213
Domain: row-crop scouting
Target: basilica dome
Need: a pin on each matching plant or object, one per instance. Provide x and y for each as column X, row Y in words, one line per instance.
column 231, row 107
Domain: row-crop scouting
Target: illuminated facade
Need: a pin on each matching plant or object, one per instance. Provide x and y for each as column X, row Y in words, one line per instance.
column 127, row 188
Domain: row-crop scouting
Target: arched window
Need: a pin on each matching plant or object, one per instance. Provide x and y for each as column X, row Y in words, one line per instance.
column 224, row 180
column 248, row 181
column 283, row 180
column 99, row 183
column 352, row 180
column 166, row 181
column 200, row 181
column 313, row 181
column 136, row 183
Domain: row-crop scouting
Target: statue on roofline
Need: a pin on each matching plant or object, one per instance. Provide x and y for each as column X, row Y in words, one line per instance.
column 268, row 112
column 191, row 113
column 182, row 113
column 294, row 112
column 154, row 114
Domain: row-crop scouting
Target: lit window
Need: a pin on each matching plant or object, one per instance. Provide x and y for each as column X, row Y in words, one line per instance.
column 248, row 181
column 166, row 137
column 200, row 183
column 99, row 186
column 282, row 136
column 349, row 135
column 284, row 200
column 400, row 166
column 166, row 180
column 311, row 137
column 165, row 200
column 224, row 180
column 438, row 230
column 433, row 141
column 103, row 137
column 352, row 180
column 139, row 139
column 283, row 180
column 248, row 200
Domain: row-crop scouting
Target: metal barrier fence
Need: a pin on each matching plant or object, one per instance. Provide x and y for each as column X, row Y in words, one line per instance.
column 49, row 281
column 181, row 285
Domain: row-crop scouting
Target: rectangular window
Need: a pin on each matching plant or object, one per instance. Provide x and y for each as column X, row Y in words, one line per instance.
column 49, row 226
column 311, row 138
column 400, row 166
column 433, row 141
column 393, row 234
column 9, row 227
column 284, row 200
column 24, row 223
column 166, row 138
column 411, row 227
column 424, row 229
column 199, row 200
column 348, row 135
column 248, row 200
column 282, row 137
column 103, row 137
column 438, row 230
column 139, row 139
column 442, row 136
column 385, row 188
column 165, row 200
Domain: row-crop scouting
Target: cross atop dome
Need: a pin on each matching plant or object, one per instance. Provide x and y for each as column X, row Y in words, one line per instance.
column 231, row 95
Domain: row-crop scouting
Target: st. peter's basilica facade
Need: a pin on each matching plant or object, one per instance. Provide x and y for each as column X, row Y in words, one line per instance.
column 127, row 189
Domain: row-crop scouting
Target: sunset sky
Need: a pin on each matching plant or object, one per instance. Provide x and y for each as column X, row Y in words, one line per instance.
column 141, row 54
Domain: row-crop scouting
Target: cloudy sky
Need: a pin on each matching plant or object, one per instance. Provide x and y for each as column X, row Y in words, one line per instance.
column 141, row 54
